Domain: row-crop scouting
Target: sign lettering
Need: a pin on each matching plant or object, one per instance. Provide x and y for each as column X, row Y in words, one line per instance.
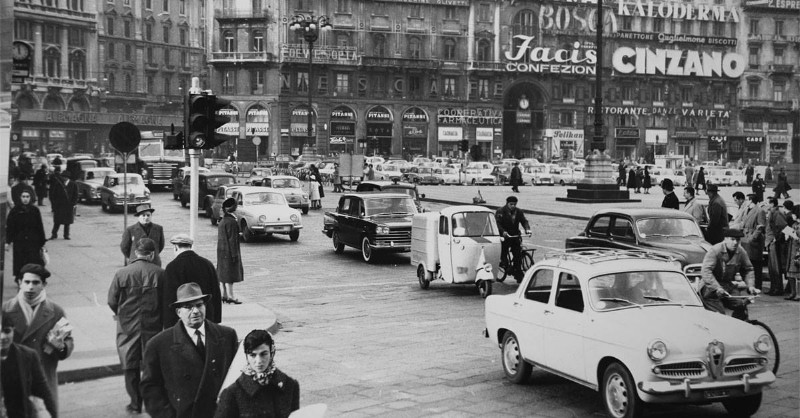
column 479, row 116
column 546, row 60
column 675, row 62
column 676, row 10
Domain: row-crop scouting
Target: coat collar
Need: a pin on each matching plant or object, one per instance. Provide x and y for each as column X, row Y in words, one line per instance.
column 45, row 312
column 278, row 381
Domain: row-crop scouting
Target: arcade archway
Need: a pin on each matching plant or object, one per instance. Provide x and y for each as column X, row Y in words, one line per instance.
column 524, row 108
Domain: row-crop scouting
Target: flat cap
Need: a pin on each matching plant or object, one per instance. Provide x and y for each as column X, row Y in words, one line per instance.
column 36, row 269
column 733, row 233
column 146, row 245
column 184, row 239
column 512, row 199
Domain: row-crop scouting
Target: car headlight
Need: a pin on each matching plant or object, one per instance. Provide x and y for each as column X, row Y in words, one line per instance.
column 262, row 218
column 382, row 229
column 657, row 350
column 295, row 218
column 763, row 344
column 305, row 196
column 147, row 193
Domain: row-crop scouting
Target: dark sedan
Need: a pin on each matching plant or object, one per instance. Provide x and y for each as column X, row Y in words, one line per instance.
column 664, row 230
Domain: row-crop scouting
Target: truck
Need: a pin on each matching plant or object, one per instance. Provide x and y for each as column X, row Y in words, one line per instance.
column 158, row 166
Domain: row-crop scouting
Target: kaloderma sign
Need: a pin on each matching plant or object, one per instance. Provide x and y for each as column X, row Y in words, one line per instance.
column 676, row 62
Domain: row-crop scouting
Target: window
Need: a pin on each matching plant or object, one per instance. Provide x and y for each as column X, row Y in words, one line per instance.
column 182, row 7
column 777, row 90
column 449, row 86
column 166, row 5
column 302, row 81
column 686, row 94
column 623, row 229
column 75, row 5
column 525, row 23
column 343, row 83
column 379, row 46
column 148, row 31
column 415, row 10
column 127, row 52
column 569, row 295
column 673, row 26
column 167, row 84
column 184, row 60
column 627, row 23
column 658, row 25
column 150, row 55
column 182, row 36
column 627, row 120
column 258, row 41
column 660, row 122
column 777, row 55
column 127, row 28
column 77, row 65
column 566, row 119
column 600, row 226
column 719, row 28
column 257, row 81
column 111, row 82
column 449, row 49
column 753, row 60
column 485, row 12
column 111, row 50
column 657, row 93
column 228, row 42
column 484, row 50
column 51, row 34
column 687, row 123
column 110, row 26
column 128, row 83
column 414, row 85
column 344, row 6
column 779, row 27
column 76, row 37
column 414, row 48
column 703, row 29
column 717, row 123
column 343, row 40
column 540, row 286
column 752, row 125
column 165, row 33
column 450, row 13
column 149, row 87
column 166, row 56
column 483, row 88
column 754, row 27
column 627, row 92
column 202, row 38
column 22, row 30
column 778, row 127
column 148, row 4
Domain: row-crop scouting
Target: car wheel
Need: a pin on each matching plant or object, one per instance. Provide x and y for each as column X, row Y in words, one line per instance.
column 561, row 182
column 744, row 406
column 338, row 245
column 247, row 236
column 424, row 283
column 294, row 235
column 736, row 183
column 619, row 393
column 517, row 370
column 305, row 210
column 366, row 251
column 209, row 212
column 485, row 288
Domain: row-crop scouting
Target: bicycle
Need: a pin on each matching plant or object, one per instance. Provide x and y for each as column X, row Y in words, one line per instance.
column 774, row 355
column 525, row 264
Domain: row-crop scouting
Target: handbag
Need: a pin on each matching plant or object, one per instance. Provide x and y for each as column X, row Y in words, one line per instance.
column 45, row 256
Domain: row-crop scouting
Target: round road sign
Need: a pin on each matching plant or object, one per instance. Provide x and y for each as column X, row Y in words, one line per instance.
column 256, row 140
column 124, row 137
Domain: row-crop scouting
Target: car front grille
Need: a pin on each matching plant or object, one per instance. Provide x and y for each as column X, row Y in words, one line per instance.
column 401, row 237
column 690, row 369
column 739, row 366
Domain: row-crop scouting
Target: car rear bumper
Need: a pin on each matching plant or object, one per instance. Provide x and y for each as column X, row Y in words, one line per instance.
column 688, row 391
column 275, row 228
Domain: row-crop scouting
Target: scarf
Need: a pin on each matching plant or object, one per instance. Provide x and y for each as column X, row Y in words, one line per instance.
column 262, row 378
column 27, row 306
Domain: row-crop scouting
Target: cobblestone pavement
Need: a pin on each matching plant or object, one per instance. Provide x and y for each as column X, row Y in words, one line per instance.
column 364, row 339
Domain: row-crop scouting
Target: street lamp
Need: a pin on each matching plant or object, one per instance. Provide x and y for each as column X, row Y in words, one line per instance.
column 309, row 26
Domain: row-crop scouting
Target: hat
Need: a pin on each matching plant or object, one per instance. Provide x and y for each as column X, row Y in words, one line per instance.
column 667, row 185
column 144, row 208
column 189, row 292
column 181, row 239
column 712, row 188
column 66, row 174
column 512, row 199
column 35, row 269
column 788, row 204
column 733, row 233
column 229, row 203
column 146, row 245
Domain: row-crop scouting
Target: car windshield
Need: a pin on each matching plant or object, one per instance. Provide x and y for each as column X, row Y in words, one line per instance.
column 640, row 289
column 219, row 181
column 450, row 171
column 99, row 174
column 667, row 227
column 474, row 224
column 390, row 167
column 264, row 198
column 117, row 180
column 405, row 190
column 388, row 206
column 286, row 183
column 425, row 170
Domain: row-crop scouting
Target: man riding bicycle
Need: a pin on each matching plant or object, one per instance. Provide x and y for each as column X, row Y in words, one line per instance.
column 720, row 266
column 509, row 218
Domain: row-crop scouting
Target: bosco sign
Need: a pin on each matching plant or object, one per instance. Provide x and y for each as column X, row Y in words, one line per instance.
column 548, row 60
column 628, row 60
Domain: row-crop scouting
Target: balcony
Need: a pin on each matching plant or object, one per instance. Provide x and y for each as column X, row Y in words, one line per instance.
column 151, row 65
column 486, row 66
column 241, row 57
column 782, row 69
column 402, row 63
column 169, row 68
column 232, row 14
column 758, row 104
column 454, row 65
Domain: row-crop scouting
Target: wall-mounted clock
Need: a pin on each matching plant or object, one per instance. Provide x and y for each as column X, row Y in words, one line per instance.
column 21, row 51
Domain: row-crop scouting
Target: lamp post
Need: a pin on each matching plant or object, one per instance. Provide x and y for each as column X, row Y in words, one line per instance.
column 309, row 26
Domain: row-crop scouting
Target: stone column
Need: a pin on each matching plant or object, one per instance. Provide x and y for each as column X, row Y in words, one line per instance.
column 64, row 52
column 38, row 54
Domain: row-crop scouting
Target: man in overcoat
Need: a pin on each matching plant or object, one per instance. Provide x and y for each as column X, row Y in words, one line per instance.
column 63, row 198
column 717, row 215
column 670, row 199
column 776, row 245
column 35, row 317
column 135, row 298
column 185, row 365
column 515, row 178
column 145, row 228
column 754, row 227
column 188, row 266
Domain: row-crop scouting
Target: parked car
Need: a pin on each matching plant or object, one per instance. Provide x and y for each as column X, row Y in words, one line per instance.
column 90, row 181
column 562, row 175
column 262, row 211
column 720, row 177
column 414, row 174
column 257, row 174
column 76, row 165
column 292, row 188
column 537, row 175
column 393, row 187
column 677, row 176
column 112, row 192
column 209, row 183
column 387, row 171
column 453, row 176
column 223, row 192
column 476, row 176
column 371, row 222
column 629, row 325
column 180, row 174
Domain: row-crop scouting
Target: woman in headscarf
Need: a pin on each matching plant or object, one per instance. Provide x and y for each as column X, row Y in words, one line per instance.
column 262, row 389
column 229, row 255
column 25, row 232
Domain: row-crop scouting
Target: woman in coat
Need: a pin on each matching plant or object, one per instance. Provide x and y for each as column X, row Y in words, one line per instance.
column 25, row 233
column 261, row 390
column 647, row 181
column 40, row 184
column 631, row 179
column 793, row 257
column 782, row 187
column 700, row 180
column 229, row 256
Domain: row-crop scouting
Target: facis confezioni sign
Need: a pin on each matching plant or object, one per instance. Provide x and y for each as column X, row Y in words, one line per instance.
column 549, row 60
column 678, row 62
column 677, row 10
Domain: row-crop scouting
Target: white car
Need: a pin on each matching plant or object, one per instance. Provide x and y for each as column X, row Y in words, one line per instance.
column 629, row 325
column 452, row 176
column 89, row 182
column 475, row 175
column 292, row 188
column 677, row 176
column 387, row 171
column 537, row 175
column 261, row 211
column 485, row 167
column 720, row 177
column 562, row 175
column 735, row 176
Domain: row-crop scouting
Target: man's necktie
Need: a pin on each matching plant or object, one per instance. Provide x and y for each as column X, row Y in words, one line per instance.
column 201, row 348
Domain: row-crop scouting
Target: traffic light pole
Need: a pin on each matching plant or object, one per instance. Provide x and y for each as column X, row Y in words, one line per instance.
column 194, row 186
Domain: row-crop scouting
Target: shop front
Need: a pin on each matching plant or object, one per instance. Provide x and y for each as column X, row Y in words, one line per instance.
column 415, row 133
column 753, row 148
column 448, row 138
column 343, row 130
column 257, row 134
column 380, row 129
column 484, row 137
column 778, row 148
column 299, row 136
column 565, row 144
column 626, row 144
column 656, row 142
column 688, row 143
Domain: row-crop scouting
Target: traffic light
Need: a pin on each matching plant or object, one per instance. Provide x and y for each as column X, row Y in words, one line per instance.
column 464, row 145
column 202, row 121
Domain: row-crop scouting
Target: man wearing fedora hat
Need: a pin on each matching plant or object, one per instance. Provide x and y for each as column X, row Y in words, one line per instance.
column 135, row 298
column 720, row 265
column 188, row 266
column 145, row 228
column 185, row 365
column 717, row 215
column 63, row 198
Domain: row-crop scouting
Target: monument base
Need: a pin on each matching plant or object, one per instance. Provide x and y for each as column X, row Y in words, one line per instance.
column 597, row 187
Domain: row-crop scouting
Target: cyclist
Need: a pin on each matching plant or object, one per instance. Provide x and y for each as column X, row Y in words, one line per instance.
column 509, row 219
column 720, row 266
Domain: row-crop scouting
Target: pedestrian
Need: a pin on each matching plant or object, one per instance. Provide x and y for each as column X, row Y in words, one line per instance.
column 776, row 243
column 135, row 298
column 632, row 180
column 700, row 180
column 319, row 182
column 144, row 228
column 515, row 177
column 741, row 212
column 768, row 173
column 187, row 267
column 782, row 188
column 261, row 386
column 753, row 227
column 759, row 187
column 639, row 179
column 40, row 324
column 370, row 172
column 621, row 173
column 670, row 199
column 23, row 376
column 229, row 256
column 40, row 183
column 337, row 179
column 57, row 161
column 313, row 190
column 185, row 365
column 63, row 198
column 692, row 207
column 25, row 233
column 717, row 215
column 688, row 171
column 793, row 256
column 647, row 181
column 748, row 173
column 21, row 186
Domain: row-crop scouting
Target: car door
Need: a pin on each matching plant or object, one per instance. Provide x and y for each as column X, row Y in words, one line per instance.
column 564, row 325
column 444, row 242
column 529, row 316
column 597, row 232
column 345, row 219
column 621, row 235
